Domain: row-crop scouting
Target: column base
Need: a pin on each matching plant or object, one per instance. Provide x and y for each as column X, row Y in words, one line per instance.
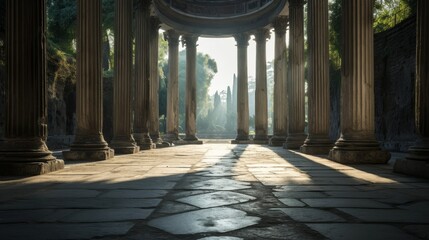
column 411, row 167
column 30, row 168
column 248, row 141
column 126, row 150
column 147, row 146
column 316, row 150
column 416, row 162
column 188, row 142
column 355, row 151
column 277, row 141
column 27, row 157
column 171, row 137
column 294, row 141
column 163, row 144
column 88, row 155
column 144, row 141
column 359, row 156
column 260, row 141
column 124, row 145
column 317, row 145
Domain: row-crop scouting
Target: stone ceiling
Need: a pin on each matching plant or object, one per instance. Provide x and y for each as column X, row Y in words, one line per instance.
column 218, row 17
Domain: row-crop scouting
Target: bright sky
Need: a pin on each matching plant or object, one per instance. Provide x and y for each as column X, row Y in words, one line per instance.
column 224, row 51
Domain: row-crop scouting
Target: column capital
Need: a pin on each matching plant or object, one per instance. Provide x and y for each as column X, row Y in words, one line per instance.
column 242, row 39
column 154, row 23
column 190, row 40
column 280, row 24
column 261, row 35
column 144, row 4
column 172, row 37
column 296, row 3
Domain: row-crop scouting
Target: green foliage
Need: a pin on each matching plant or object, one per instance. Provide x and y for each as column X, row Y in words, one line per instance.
column 61, row 23
column 206, row 68
column 388, row 13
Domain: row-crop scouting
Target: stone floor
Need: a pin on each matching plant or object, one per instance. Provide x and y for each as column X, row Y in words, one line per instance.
column 216, row 191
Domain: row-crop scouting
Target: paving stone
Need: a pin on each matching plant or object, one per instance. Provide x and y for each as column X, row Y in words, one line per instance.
column 134, row 194
column 66, row 193
column 315, row 188
column 63, row 231
column 341, row 231
column 291, row 202
column 421, row 231
column 290, row 231
column 343, row 202
column 216, row 199
column 220, row 184
column 289, row 194
column 173, row 207
column 206, row 220
column 221, row 238
column 388, row 215
column 24, row 216
column 108, row 215
column 310, row 215
column 53, row 203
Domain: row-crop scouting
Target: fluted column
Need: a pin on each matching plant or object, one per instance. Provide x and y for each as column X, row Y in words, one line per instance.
column 141, row 111
column 191, row 88
column 280, row 118
column 154, row 84
column 296, row 90
column 123, row 141
column 417, row 161
column 357, row 143
column 173, row 87
column 242, row 89
column 89, row 142
column 261, row 101
column 23, row 151
column 318, row 141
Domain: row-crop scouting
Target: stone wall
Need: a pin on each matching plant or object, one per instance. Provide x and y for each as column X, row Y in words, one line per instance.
column 395, row 54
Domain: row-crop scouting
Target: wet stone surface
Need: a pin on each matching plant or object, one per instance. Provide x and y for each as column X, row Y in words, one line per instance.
column 215, row 192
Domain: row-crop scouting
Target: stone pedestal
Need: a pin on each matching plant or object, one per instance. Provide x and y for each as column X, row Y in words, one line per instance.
column 318, row 141
column 191, row 88
column 261, row 101
column 280, row 120
column 123, row 141
column 357, row 143
column 141, row 109
column 417, row 161
column 172, row 87
column 89, row 144
column 23, row 152
column 296, row 84
column 242, row 89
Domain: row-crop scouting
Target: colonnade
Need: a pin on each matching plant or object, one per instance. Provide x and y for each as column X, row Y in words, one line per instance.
column 24, row 152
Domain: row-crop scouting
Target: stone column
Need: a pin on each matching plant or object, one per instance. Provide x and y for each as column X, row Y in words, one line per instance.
column 296, row 84
column 261, row 101
column 242, row 89
column 141, row 111
column 154, row 84
column 191, row 89
column 123, row 141
column 318, row 141
column 417, row 161
column 89, row 142
column 173, row 87
column 357, row 143
column 23, row 151
column 280, row 92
